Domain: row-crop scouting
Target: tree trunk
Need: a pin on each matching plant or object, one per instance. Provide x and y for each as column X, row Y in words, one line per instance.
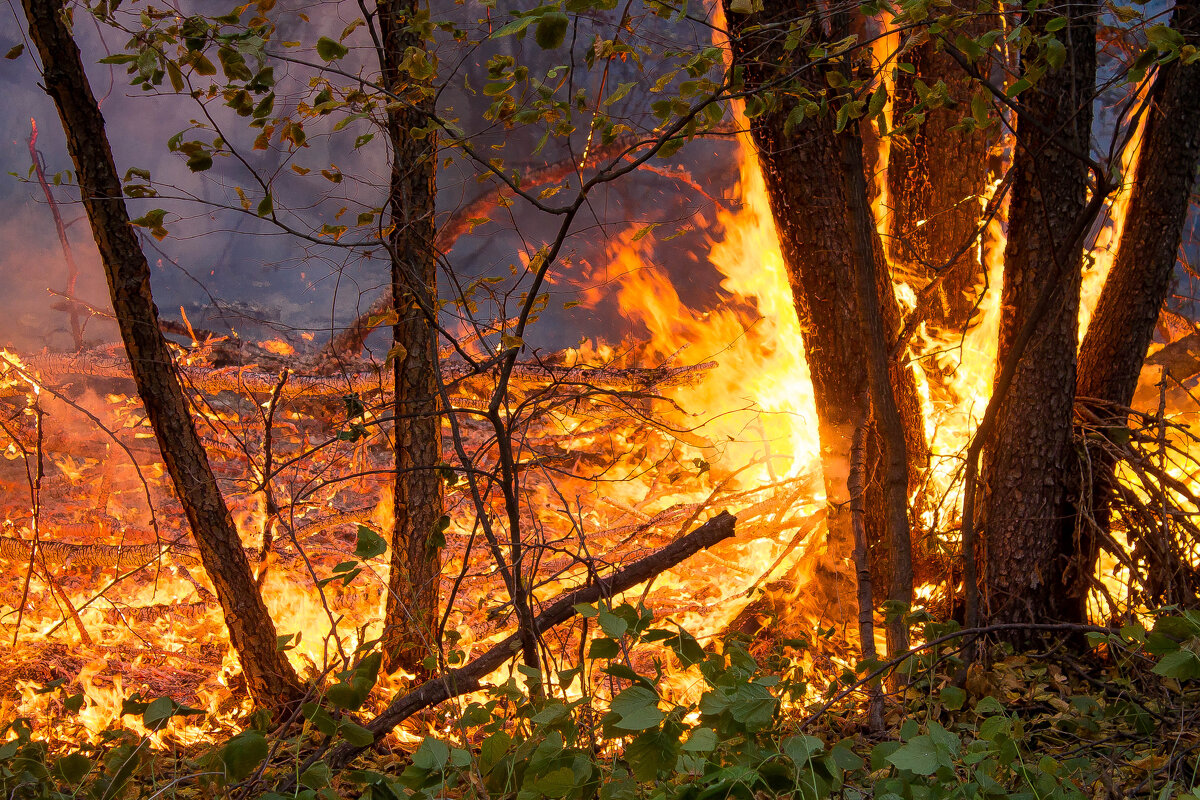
column 1110, row 359
column 802, row 168
column 936, row 175
column 1114, row 348
column 410, row 622
column 269, row 676
column 1027, row 461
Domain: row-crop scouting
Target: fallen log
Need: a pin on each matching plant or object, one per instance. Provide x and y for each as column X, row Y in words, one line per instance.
column 212, row 380
column 469, row 678
column 137, row 556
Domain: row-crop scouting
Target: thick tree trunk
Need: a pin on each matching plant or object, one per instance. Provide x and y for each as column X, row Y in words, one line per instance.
column 269, row 677
column 936, row 176
column 802, row 168
column 410, row 622
column 1110, row 359
column 1114, row 348
column 1028, row 460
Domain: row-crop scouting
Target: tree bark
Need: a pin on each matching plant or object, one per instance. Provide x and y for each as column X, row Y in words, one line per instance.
column 410, row 622
column 269, row 676
column 1114, row 348
column 802, row 168
column 1028, row 458
column 1122, row 326
column 936, row 175
column 889, row 424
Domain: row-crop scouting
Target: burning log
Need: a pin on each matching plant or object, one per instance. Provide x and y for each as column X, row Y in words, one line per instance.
column 135, row 556
column 249, row 378
column 469, row 678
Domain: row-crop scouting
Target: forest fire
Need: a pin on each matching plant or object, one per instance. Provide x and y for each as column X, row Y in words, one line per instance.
column 923, row 426
column 116, row 602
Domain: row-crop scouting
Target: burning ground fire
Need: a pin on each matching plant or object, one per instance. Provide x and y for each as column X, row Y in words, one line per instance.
column 127, row 609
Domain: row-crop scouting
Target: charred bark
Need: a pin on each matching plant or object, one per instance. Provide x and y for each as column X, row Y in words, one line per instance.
column 410, row 622
column 803, row 170
column 268, row 674
column 1028, row 457
column 937, row 172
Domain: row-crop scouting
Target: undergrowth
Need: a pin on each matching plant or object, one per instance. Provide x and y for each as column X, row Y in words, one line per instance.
column 1115, row 716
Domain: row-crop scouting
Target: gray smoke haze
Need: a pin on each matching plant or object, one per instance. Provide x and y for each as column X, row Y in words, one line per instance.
column 231, row 270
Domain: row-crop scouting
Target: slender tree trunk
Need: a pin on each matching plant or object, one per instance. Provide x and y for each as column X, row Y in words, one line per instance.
column 1114, row 349
column 1027, row 461
column 269, row 677
column 802, row 168
column 889, row 424
column 410, row 622
column 936, row 174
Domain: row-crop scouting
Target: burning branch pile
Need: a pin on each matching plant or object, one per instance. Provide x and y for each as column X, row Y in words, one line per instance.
column 617, row 469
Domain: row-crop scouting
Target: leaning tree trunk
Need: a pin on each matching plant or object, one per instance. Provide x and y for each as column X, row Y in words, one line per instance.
column 269, row 676
column 1111, row 357
column 1028, row 461
column 802, row 168
column 410, row 622
column 937, row 172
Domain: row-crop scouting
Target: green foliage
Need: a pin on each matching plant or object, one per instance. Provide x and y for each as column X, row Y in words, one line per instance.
column 607, row 729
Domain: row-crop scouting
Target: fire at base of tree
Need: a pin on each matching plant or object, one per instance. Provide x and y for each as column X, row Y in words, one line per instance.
column 893, row 495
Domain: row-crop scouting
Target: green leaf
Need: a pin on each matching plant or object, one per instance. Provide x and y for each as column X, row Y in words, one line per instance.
column 516, row 26
column 431, row 755
column 604, row 648
column 157, row 712
column 266, row 207
column 918, row 756
column 1182, row 664
column 153, row 220
column 202, row 65
column 556, row 783
column 953, row 697
column 701, row 740
column 317, row 776
column 175, row 75
column 330, row 50
column 73, row 768
column 612, row 625
column 1018, row 87
column 551, row 30
column 356, row 735
column 801, row 749
column 199, row 161
column 1056, row 24
column 1056, row 53
column 637, row 708
column 845, row 758
column 15, row 52
column 243, row 754
column 622, row 90
column 370, row 544
column 988, row 705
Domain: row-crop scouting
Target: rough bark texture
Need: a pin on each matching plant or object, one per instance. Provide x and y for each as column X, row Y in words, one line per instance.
column 1027, row 461
column 802, row 168
column 1110, row 359
column 935, row 179
column 412, row 602
column 269, row 677
column 888, row 422
column 1114, row 349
